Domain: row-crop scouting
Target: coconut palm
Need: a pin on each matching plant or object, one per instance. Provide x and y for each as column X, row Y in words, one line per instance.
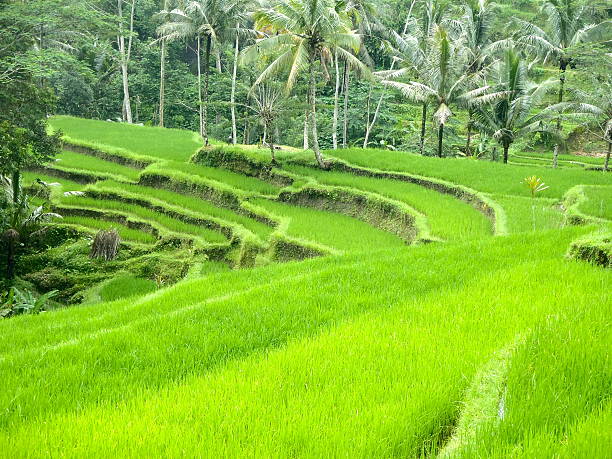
column 597, row 106
column 507, row 111
column 409, row 51
column 475, row 28
column 267, row 105
column 302, row 34
column 566, row 21
column 203, row 20
column 443, row 68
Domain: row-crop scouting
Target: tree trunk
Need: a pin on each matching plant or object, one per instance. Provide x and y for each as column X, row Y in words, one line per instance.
column 162, row 83
column 347, row 76
column 562, row 68
column 371, row 124
column 506, row 148
column 16, row 182
column 312, row 96
column 200, row 101
column 10, row 257
column 206, row 85
column 374, row 118
column 423, row 126
column 469, row 134
column 233, row 93
column 607, row 163
column 336, row 93
column 440, row 139
column 271, row 144
column 306, row 122
column 125, row 58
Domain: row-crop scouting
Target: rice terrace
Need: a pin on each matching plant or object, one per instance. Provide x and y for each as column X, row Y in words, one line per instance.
column 305, row 228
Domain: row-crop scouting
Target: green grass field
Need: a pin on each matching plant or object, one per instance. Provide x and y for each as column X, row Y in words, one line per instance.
column 165, row 144
column 481, row 345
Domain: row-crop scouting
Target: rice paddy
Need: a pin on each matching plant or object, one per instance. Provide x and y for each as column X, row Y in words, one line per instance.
column 480, row 344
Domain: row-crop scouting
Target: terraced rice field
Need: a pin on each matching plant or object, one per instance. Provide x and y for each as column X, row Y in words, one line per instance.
column 486, row 343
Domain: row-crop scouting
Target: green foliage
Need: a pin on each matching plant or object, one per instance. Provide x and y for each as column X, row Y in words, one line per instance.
column 16, row 302
column 126, row 286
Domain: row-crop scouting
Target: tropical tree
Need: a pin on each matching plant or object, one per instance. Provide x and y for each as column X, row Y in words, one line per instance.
column 203, row 20
column 443, row 68
column 267, row 106
column 596, row 105
column 302, row 34
column 565, row 20
column 475, row 29
column 19, row 221
column 509, row 110
column 410, row 51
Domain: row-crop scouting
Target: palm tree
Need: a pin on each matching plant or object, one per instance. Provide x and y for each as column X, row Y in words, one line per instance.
column 409, row 51
column 19, row 221
column 202, row 20
column 448, row 84
column 164, row 16
column 507, row 112
column 303, row 33
column 267, row 106
column 475, row 28
column 596, row 105
column 566, row 28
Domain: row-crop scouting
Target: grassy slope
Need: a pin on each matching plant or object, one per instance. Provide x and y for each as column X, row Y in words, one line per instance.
column 190, row 203
column 449, row 218
column 131, row 210
column 485, row 176
column 411, row 330
column 331, row 229
column 168, row 144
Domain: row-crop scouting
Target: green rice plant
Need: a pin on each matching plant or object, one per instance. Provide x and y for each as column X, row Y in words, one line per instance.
column 598, row 202
column 94, row 224
column 76, row 162
column 126, row 286
column 484, row 176
column 528, row 214
column 386, row 380
column 449, row 218
column 330, row 229
column 165, row 223
column 133, row 141
column 177, row 201
column 63, row 185
column 238, row 181
column 562, row 158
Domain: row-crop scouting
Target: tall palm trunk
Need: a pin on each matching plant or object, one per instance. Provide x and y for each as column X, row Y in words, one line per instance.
column 347, row 77
column 562, row 69
column 124, row 53
column 468, row 142
column 206, row 85
column 312, row 101
column 506, row 148
column 162, row 82
column 423, row 126
column 440, row 139
column 162, row 76
column 200, row 100
column 306, row 144
column 336, row 93
column 233, row 92
column 16, row 183
column 607, row 163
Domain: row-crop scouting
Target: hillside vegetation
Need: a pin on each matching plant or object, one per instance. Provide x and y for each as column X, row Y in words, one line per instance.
column 414, row 330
